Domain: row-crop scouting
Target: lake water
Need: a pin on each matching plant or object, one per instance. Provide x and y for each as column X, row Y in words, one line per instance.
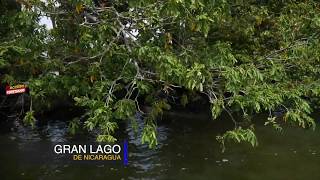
column 187, row 150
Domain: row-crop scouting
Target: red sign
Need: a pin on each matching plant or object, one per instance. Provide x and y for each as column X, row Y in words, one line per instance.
column 18, row 89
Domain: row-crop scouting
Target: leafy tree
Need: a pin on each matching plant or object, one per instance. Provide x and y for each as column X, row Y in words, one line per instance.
column 111, row 57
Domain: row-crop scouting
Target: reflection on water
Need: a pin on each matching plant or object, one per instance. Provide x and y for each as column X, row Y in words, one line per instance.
column 187, row 150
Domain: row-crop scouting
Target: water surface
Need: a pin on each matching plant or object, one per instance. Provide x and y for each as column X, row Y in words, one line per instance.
column 187, row 150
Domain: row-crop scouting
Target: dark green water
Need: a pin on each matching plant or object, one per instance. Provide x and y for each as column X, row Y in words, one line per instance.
column 187, row 150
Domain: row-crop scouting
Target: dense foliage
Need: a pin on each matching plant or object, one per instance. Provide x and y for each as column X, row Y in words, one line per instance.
column 113, row 57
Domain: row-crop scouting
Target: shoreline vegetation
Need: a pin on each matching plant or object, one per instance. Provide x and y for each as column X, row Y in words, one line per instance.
column 113, row 58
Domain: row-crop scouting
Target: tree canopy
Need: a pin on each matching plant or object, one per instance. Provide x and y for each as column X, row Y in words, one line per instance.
column 112, row 57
